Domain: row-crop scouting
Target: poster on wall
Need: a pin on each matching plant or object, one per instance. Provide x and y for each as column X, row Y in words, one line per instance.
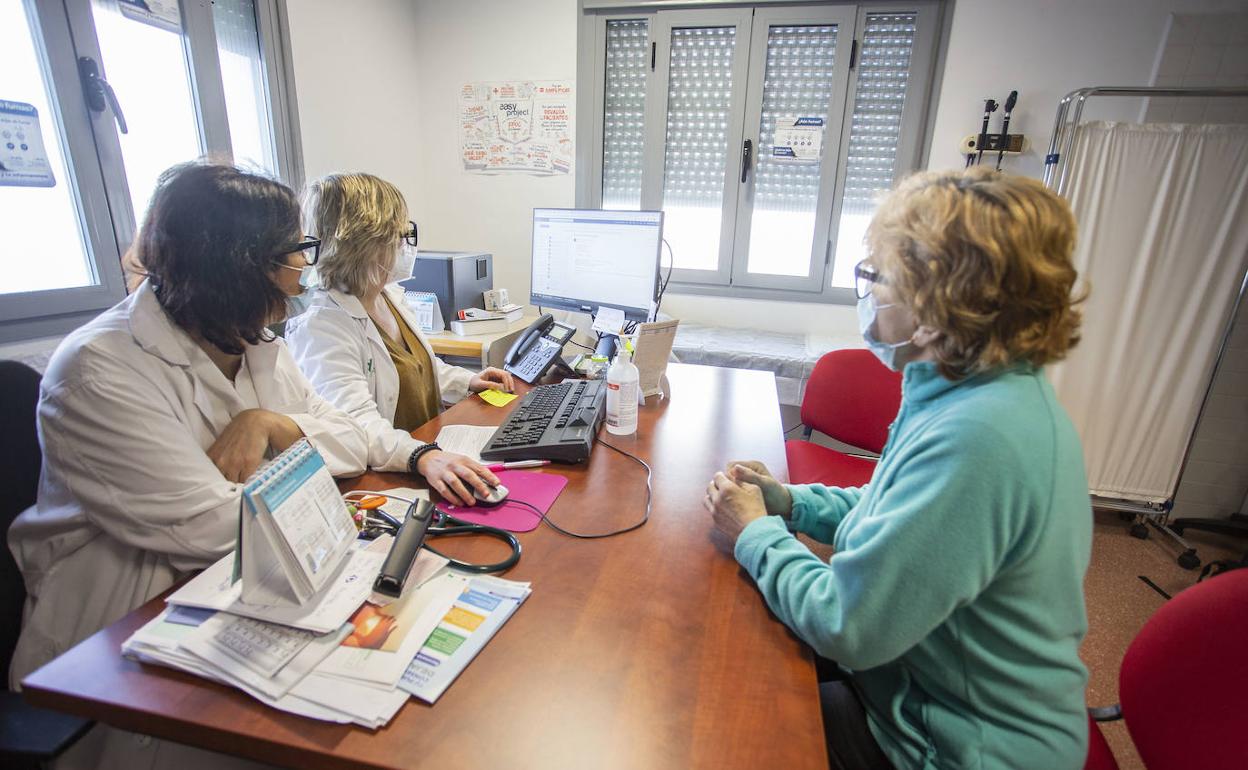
column 23, row 161
column 517, row 126
column 799, row 139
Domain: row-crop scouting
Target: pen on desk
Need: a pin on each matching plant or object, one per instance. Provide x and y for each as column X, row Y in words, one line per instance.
column 517, row 464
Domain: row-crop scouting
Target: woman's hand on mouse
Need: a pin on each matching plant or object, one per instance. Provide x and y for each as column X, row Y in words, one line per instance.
column 455, row 477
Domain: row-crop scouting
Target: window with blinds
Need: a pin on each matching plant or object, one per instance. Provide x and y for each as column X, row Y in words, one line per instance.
column 797, row 83
column 884, row 64
column 628, row 62
column 766, row 134
column 698, row 113
column 243, row 82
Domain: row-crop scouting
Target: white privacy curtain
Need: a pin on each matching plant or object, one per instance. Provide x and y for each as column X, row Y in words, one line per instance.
column 1163, row 241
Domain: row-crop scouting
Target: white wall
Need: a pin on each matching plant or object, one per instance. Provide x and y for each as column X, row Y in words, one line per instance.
column 481, row 40
column 1046, row 50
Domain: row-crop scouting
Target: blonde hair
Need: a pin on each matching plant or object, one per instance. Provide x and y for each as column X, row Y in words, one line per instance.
column 984, row 258
column 359, row 218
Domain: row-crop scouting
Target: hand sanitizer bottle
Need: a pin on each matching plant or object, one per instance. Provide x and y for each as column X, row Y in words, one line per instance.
column 622, row 385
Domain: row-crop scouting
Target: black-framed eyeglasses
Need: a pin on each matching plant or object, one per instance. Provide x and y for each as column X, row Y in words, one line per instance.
column 865, row 277
column 409, row 235
column 309, row 248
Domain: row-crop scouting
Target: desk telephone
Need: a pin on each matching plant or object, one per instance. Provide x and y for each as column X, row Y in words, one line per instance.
column 537, row 348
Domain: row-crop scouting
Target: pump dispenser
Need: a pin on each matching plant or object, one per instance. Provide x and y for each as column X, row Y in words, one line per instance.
column 622, row 385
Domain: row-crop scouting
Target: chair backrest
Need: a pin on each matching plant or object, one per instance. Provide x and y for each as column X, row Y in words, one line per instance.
column 853, row 398
column 19, row 481
column 1184, row 680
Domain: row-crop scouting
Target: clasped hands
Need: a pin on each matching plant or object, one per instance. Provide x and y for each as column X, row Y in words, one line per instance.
column 745, row 491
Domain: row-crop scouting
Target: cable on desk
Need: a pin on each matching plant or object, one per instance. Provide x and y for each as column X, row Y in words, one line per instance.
column 599, row 535
column 671, row 262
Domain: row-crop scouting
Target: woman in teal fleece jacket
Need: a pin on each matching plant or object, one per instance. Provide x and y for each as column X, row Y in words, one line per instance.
column 954, row 598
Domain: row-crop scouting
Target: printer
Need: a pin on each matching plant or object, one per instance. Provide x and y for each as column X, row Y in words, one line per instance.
column 457, row 278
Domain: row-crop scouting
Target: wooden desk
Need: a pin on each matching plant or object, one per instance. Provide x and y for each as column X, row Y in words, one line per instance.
column 648, row 650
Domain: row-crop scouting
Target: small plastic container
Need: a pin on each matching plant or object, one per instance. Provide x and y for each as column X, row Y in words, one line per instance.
column 622, row 386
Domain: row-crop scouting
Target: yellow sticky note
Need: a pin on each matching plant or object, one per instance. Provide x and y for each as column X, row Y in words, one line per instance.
column 497, row 397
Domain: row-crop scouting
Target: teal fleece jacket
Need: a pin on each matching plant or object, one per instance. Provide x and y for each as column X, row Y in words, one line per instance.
column 955, row 595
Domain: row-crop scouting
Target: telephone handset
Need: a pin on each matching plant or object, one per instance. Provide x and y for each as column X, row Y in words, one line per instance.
column 537, row 348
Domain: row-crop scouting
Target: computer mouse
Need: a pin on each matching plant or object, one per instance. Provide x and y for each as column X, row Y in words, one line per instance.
column 496, row 496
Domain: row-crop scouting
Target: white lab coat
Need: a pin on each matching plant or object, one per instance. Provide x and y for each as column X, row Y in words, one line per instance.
column 128, row 499
column 343, row 354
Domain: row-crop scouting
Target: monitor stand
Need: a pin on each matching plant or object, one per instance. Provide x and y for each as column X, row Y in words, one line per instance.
column 607, row 345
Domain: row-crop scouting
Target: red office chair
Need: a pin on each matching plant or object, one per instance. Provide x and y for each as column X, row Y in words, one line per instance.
column 853, row 398
column 1100, row 757
column 1184, row 680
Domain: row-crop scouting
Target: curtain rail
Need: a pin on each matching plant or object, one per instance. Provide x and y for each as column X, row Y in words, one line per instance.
column 1064, row 124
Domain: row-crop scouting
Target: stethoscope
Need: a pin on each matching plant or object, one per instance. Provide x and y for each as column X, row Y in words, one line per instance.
column 378, row 522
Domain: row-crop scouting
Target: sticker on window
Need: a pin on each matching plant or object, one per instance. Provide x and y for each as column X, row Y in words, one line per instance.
column 23, row 161
column 798, row 139
column 162, row 14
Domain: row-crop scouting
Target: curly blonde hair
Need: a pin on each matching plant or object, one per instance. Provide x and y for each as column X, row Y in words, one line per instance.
column 359, row 218
column 984, row 258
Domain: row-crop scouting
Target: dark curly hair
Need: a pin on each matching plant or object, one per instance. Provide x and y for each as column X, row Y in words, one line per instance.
column 208, row 245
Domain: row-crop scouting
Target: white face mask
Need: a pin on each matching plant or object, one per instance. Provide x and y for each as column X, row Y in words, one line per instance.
column 307, row 276
column 885, row 351
column 404, row 261
column 297, row 303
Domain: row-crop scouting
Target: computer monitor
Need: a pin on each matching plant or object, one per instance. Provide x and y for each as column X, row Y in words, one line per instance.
column 586, row 259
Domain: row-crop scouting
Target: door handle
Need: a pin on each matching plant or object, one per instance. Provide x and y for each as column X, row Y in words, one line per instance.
column 747, row 149
column 98, row 93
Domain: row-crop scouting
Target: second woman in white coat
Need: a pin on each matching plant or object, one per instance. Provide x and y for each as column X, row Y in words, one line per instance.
column 362, row 349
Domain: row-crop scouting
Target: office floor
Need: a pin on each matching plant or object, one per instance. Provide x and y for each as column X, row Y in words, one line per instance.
column 1118, row 602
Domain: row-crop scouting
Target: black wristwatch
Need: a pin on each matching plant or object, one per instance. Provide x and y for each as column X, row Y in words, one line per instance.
column 418, row 453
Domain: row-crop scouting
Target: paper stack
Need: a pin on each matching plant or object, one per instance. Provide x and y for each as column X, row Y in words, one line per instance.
column 337, row 658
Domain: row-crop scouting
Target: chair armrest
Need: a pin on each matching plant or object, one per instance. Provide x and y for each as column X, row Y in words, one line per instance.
column 1105, row 713
column 26, row 731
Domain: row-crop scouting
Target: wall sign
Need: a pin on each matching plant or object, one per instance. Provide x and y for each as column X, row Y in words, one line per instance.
column 517, row 126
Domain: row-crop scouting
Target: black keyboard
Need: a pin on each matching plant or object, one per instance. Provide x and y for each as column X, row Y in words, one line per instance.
column 551, row 422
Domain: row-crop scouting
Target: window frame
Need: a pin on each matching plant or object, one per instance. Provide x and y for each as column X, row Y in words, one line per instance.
column 655, row 147
column 912, row 150
column 830, row 168
column 63, row 31
column 25, row 315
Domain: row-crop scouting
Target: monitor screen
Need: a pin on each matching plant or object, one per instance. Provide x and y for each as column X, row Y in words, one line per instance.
column 584, row 259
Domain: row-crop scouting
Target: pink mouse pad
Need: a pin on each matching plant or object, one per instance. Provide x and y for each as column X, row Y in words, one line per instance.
column 537, row 489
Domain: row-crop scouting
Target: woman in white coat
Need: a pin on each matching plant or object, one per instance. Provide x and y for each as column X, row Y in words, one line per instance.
column 361, row 347
column 151, row 414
